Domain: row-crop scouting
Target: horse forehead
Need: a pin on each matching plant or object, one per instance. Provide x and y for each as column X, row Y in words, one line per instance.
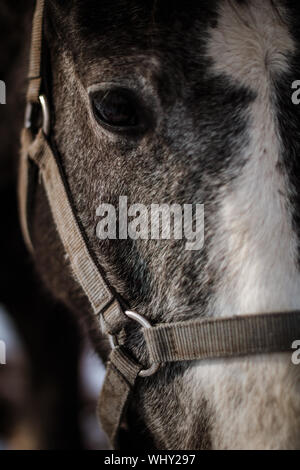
column 181, row 37
column 131, row 28
column 142, row 18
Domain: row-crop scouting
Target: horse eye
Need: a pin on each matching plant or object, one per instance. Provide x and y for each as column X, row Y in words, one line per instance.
column 117, row 109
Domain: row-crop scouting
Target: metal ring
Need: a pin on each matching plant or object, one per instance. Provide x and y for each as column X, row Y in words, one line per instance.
column 145, row 324
column 45, row 114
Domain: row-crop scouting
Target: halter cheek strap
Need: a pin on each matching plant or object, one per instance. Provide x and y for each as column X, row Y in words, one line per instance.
column 37, row 152
column 186, row 341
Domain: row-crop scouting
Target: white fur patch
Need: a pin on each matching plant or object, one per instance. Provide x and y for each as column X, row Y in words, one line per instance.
column 255, row 245
column 255, row 401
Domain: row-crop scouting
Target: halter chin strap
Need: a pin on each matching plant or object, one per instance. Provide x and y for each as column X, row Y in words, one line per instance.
column 186, row 341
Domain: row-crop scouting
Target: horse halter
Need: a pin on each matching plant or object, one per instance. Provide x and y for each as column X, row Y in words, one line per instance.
column 185, row 341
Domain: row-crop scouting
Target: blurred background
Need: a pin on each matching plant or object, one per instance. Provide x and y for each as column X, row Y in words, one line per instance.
column 50, row 383
column 40, row 417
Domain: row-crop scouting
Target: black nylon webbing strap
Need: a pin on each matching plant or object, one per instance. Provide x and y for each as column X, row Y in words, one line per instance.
column 121, row 374
column 34, row 73
column 82, row 265
column 122, row 371
column 113, row 320
column 223, row 337
column 33, row 92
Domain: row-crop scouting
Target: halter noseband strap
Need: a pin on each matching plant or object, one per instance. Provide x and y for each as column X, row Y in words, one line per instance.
column 185, row 341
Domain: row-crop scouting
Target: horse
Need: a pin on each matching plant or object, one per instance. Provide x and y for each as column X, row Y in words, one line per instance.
column 188, row 103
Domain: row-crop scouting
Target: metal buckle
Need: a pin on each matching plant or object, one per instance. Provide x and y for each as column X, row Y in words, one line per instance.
column 45, row 114
column 145, row 324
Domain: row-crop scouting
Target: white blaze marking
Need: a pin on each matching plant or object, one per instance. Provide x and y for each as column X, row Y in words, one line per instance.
column 255, row 245
column 255, row 401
